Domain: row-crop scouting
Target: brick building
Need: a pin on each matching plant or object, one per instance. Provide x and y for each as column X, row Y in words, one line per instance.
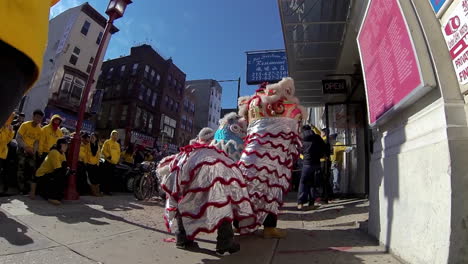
column 143, row 94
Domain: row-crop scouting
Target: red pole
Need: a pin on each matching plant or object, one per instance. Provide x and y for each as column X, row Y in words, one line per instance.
column 74, row 151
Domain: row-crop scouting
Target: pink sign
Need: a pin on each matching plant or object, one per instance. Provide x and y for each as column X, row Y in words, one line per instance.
column 391, row 68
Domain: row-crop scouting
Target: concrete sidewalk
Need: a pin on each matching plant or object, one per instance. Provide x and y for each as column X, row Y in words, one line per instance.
column 119, row 229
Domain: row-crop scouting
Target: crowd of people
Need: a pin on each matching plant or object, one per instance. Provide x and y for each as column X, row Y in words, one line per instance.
column 33, row 158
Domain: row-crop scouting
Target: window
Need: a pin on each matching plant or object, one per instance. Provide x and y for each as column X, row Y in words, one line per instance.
column 74, row 57
column 190, row 125
column 117, row 87
column 77, row 90
column 153, row 73
column 168, row 125
column 137, row 117
column 123, row 115
column 111, row 112
column 177, row 107
column 88, row 70
column 142, row 92
column 158, row 79
column 85, row 28
column 122, row 69
column 91, row 60
column 186, row 104
column 65, row 89
column 147, row 69
column 76, row 51
column 109, row 73
column 148, row 95
column 183, row 121
column 192, row 107
column 99, row 38
column 166, row 100
column 153, row 103
column 171, row 103
column 150, row 122
column 135, row 68
column 169, row 78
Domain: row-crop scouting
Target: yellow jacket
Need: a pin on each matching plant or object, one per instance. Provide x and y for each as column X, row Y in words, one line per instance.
column 25, row 27
column 6, row 135
column 83, row 157
column 30, row 134
column 111, row 151
column 93, row 159
column 49, row 136
column 52, row 162
column 338, row 150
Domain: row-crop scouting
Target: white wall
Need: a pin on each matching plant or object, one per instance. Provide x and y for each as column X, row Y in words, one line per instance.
column 410, row 184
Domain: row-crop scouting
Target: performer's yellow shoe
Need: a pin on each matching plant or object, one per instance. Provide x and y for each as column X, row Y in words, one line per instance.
column 273, row 232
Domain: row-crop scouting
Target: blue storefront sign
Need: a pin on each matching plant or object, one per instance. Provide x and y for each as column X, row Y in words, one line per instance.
column 437, row 4
column 69, row 121
column 268, row 66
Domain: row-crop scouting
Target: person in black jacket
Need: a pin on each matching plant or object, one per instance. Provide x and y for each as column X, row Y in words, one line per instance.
column 314, row 148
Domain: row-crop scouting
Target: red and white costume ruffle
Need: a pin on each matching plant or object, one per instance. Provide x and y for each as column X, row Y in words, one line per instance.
column 206, row 188
column 266, row 163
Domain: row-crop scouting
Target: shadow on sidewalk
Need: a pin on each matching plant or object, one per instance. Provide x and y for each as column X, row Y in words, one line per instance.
column 13, row 231
column 81, row 212
column 327, row 212
column 303, row 246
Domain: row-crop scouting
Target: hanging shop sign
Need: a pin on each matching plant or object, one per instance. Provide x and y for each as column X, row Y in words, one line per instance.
column 455, row 31
column 142, row 139
column 391, row 61
column 334, row 86
column 268, row 66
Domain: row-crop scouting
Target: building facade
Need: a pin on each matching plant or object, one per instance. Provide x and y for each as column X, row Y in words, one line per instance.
column 74, row 37
column 187, row 129
column 142, row 99
column 208, row 112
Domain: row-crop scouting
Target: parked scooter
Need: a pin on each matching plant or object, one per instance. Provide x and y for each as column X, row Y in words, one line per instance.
column 124, row 176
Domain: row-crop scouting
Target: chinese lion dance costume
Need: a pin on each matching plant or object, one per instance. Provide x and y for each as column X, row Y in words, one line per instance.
column 205, row 189
column 271, row 147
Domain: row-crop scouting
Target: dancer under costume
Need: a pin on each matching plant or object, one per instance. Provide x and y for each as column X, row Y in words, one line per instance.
column 271, row 147
column 206, row 192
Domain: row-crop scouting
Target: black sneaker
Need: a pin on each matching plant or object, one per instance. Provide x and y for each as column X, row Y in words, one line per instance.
column 189, row 245
column 235, row 247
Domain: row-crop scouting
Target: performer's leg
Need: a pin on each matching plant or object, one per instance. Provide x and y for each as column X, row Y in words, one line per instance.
column 270, row 230
column 182, row 241
column 225, row 240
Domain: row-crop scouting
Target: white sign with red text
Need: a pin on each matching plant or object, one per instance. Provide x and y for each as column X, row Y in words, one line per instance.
column 455, row 32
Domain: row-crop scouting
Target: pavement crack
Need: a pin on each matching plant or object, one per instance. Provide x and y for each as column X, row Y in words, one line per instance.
column 272, row 258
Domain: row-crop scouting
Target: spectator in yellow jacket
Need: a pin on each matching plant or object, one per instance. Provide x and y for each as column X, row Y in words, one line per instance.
column 128, row 155
column 50, row 134
column 82, row 178
column 6, row 135
column 336, row 159
column 51, row 175
column 92, row 165
column 23, row 40
column 111, row 153
column 28, row 138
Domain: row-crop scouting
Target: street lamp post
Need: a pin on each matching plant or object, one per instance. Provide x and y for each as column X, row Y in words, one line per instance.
column 238, row 89
column 115, row 10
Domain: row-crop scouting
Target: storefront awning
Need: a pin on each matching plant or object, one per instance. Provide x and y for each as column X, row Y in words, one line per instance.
column 313, row 31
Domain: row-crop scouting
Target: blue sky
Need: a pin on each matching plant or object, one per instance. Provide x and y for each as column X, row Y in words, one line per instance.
column 205, row 38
